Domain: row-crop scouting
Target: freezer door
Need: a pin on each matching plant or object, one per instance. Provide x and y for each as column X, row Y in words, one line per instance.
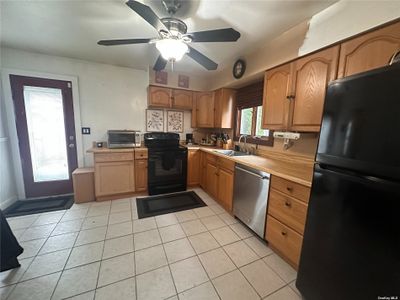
column 351, row 245
column 361, row 123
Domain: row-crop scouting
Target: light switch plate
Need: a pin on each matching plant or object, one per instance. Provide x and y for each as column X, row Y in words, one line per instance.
column 85, row 130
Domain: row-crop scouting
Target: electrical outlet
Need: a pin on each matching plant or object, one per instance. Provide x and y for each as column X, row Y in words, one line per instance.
column 85, row 130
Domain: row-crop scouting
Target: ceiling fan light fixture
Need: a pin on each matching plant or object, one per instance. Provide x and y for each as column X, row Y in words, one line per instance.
column 172, row 49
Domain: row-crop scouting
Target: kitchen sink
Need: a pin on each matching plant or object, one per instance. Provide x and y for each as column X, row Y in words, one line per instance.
column 231, row 152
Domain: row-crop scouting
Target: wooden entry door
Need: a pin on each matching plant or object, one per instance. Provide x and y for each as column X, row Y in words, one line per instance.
column 44, row 116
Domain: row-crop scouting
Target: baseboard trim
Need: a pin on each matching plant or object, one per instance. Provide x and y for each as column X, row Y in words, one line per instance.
column 8, row 202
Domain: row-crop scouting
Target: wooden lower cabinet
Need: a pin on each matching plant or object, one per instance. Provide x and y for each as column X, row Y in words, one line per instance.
column 284, row 240
column 225, row 188
column 203, row 169
column 113, row 178
column 212, row 180
column 193, row 173
column 287, row 214
column 141, row 175
column 119, row 172
column 217, row 178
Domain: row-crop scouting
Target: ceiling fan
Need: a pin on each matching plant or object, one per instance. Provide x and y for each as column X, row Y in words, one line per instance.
column 173, row 40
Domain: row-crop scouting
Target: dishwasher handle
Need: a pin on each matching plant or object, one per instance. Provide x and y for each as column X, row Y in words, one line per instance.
column 266, row 177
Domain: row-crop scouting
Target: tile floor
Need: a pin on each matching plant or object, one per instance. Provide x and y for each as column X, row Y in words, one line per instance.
column 101, row 250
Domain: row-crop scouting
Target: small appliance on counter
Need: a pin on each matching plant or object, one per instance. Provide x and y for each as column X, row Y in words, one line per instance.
column 189, row 139
column 124, row 138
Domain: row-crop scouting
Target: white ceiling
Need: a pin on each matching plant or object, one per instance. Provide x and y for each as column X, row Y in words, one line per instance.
column 72, row 28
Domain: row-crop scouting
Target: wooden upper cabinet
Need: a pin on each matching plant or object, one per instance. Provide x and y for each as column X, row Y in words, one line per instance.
column 224, row 106
column 369, row 51
column 182, row 99
column 204, row 114
column 311, row 76
column 277, row 87
column 159, row 96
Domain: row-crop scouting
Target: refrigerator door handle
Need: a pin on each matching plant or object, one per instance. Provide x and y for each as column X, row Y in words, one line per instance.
column 354, row 176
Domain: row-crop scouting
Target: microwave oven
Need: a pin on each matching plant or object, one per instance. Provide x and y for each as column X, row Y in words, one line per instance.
column 123, row 138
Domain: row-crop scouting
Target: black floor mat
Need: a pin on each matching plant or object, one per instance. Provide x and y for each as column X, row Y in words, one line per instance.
column 28, row 207
column 165, row 204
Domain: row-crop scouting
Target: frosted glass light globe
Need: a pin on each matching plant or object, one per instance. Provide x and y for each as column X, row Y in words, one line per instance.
column 172, row 49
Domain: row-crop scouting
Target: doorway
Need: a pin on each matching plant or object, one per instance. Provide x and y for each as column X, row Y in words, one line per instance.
column 44, row 115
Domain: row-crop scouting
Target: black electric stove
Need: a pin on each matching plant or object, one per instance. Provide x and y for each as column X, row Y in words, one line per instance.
column 167, row 164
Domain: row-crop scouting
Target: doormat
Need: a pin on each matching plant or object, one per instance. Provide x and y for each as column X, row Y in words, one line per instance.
column 165, row 204
column 29, row 207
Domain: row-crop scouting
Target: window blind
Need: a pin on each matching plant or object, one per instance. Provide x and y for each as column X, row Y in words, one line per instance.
column 250, row 95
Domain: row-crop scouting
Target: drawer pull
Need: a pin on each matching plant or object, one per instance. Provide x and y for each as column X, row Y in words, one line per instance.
column 288, row 204
column 290, row 189
column 284, row 233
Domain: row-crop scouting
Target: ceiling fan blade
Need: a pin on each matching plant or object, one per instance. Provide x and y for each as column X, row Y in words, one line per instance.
column 123, row 42
column 148, row 14
column 218, row 35
column 202, row 59
column 160, row 64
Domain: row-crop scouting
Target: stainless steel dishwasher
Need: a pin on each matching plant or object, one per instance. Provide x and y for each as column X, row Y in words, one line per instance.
column 250, row 197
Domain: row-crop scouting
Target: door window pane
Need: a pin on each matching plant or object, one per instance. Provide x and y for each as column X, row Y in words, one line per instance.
column 46, row 131
column 246, row 121
column 259, row 130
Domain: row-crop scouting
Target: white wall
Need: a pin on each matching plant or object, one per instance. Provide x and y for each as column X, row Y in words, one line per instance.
column 347, row 18
column 341, row 20
column 110, row 97
column 8, row 192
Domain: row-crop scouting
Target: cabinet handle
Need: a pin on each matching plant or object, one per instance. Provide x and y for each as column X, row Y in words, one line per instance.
column 287, row 203
column 290, row 97
column 289, row 189
column 284, row 233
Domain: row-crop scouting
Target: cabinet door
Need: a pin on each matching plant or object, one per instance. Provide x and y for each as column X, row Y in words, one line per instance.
column 193, row 177
column 203, row 169
column 182, row 99
column 114, row 178
column 369, row 51
column 310, row 78
column 159, row 96
column 205, row 109
column 277, row 89
column 225, row 188
column 141, row 175
column 212, row 180
column 224, row 104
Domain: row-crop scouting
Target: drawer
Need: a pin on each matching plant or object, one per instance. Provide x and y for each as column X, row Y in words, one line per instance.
column 285, row 240
column 141, row 154
column 288, row 210
column 212, row 158
column 226, row 164
column 105, row 157
column 291, row 188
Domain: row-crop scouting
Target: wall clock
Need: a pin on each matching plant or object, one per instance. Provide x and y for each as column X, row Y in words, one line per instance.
column 239, row 68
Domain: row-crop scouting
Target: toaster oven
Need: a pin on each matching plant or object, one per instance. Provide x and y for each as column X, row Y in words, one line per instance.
column 123, row 138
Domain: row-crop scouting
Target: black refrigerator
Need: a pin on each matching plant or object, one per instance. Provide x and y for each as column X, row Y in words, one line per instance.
column 351, row 245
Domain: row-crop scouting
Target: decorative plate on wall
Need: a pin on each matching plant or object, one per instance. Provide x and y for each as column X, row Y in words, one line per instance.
column 239, row 68
column 154, row 120
column 174, row 121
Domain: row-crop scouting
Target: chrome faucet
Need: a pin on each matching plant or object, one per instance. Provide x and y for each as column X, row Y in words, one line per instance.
column 245, row 142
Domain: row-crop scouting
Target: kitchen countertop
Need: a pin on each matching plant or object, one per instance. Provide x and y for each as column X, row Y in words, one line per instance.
column 299, row 172
column 114, row 150
column 296, row 171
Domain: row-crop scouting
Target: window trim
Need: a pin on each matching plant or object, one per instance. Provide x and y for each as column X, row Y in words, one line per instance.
column 268, row 141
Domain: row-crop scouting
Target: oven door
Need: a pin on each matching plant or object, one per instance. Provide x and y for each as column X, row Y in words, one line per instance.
column 167, row 170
